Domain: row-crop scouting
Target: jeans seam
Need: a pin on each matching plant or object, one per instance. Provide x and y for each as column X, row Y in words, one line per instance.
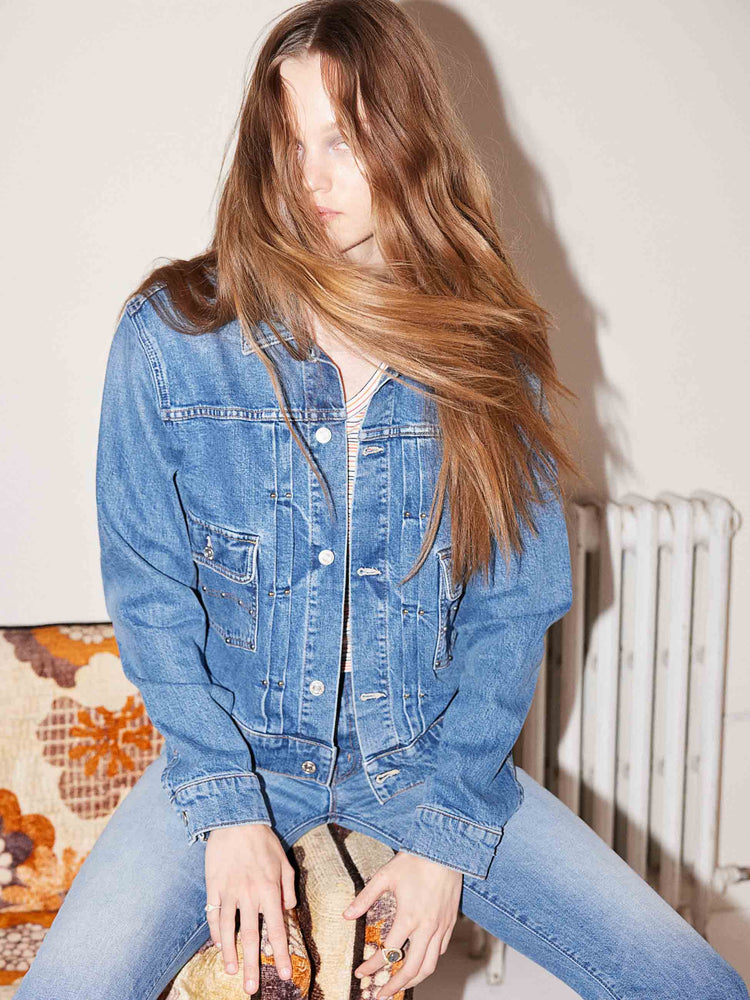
column 317, row 819
column 340, row 819
column 552, row 944
column 349, row 774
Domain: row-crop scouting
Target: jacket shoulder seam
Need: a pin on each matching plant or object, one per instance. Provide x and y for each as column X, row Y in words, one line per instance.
column 136, row 302
column 154, row 360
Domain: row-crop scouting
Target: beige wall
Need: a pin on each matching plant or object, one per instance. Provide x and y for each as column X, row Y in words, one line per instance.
column 617, row 136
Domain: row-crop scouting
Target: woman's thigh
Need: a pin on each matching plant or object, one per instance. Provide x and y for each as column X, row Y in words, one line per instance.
column 557, row 893
column 134, row 914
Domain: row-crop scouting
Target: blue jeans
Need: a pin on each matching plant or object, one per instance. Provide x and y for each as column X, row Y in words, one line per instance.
column 555, row 892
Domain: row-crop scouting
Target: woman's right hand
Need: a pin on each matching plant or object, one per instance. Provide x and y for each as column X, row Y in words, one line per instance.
column 247, row 869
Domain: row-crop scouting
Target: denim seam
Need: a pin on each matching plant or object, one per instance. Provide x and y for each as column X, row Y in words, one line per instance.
column 280, row 736
column 406, row 788
column 408, row 746
column 461, row 819
column 233, row 822
column 154, row 361
column 214, row 777
column 341, row 818
column 317, row 819
column 552, row 944
column 286, row 774
column 344, row 778
column 347, row 774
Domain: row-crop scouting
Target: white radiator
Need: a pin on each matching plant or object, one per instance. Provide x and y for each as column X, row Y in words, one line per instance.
column 626, row 722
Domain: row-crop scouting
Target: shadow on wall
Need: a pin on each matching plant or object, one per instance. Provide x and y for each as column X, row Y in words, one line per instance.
column 525, row 213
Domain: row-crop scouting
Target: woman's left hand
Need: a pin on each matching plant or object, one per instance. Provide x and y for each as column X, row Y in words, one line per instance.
column 427, row 899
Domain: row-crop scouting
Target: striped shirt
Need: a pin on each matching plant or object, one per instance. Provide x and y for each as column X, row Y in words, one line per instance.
column 356, row 407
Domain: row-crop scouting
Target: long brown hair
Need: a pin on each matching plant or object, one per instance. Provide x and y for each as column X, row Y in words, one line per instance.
column 450, row 310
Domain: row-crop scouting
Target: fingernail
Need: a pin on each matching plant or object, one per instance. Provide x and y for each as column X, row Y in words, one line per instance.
column 348, row 911
column 231, row 968
column 250, row 985
column 285, row 971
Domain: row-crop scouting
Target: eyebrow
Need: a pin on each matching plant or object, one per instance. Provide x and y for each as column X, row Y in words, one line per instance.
column 329, row 129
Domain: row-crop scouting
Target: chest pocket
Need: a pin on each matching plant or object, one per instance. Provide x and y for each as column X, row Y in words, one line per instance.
column 227, row 562
column 448, row 601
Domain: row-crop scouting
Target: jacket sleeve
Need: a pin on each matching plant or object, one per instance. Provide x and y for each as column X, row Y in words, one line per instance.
column 500, row 626
column 149, row 586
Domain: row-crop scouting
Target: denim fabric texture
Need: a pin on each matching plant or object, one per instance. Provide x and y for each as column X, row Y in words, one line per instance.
column 224, row 577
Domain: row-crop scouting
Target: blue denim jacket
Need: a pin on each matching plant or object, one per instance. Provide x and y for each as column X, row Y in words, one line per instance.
column 224, row 577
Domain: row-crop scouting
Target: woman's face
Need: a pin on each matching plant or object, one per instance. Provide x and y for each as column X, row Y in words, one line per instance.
column 328, row 164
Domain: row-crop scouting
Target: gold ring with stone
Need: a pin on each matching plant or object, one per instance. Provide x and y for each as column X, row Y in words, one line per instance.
column 392, row 955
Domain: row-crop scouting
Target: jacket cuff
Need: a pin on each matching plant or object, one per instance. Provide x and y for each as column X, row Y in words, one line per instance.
column 451, row 841
column 220, row 800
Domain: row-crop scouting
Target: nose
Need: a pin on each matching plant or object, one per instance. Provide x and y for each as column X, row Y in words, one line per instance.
column 316, row 172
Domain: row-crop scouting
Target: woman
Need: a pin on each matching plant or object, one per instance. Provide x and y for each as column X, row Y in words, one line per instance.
column 314, row 652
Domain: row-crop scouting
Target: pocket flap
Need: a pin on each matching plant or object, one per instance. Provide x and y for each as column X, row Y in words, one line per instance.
column 231, row 553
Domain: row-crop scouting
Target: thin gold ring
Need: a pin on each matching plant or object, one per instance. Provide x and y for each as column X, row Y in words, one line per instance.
column 212, row 906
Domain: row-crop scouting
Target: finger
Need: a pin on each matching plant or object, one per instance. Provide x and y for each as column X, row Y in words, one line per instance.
column 212, row 918
column 363, row 901
column 446, row 938
column 290, row 896
column 430, row 962
column 397, row 937
column 250, row 938
column 273, row 914
column 226, row 928
column 412, row 963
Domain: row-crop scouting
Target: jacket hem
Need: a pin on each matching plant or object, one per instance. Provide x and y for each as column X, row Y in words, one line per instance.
column 223, row 800
column 448, row 840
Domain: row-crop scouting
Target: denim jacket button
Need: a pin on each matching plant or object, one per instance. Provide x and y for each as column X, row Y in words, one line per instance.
column 184, row 817
column 317, row 687
column 309, row 766
column 326, row 556
column 323, row 434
